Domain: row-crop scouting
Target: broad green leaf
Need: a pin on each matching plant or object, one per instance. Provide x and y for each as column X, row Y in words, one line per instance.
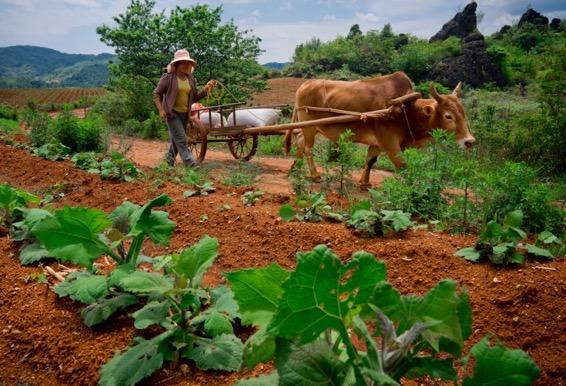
column 514, row 219
column 31, row 218
column 215, row 323
column 499, row 365
column 503, row 248
column 155, row 224
column 469, row 253
column 101, row 310
column 219, row 316
column 548, row 238
column 286, row 212
column 152, row 313
column 32, row 253
column 260, row 347
column 120, row 217
column 312, row 363
column 257, row 292
column 119, row 273
column 73, row 234
column 83, row 287
column 491, row 232
column 223, row 352
column 441, row 308
column 135, row 364
column 323, row 294
column 537, row 251
column 146, row 282
column 222, row 300
column 441, row 304
column 194, row 261
column 399, row 219
column 264, row 380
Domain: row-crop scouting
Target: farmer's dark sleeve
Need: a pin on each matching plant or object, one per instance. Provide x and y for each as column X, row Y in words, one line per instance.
column 161, row 87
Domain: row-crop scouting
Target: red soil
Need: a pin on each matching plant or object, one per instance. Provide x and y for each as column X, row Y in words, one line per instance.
column 43, row 340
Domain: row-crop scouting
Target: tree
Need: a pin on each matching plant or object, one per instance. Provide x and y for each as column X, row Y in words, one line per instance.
column 354, row 31
column 145, row 41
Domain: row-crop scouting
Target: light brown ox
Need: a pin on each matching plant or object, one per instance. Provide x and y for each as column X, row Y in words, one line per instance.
column 384, row 135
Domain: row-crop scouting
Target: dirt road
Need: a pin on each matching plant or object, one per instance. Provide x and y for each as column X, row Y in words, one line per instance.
column 271, row 174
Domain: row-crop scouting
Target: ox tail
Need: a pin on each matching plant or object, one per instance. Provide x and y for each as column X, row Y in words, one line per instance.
column 289, row 133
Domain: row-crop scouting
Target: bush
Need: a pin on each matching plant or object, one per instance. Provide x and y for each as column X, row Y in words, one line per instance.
column 80, row 135
column 41, row 130
column 418, row 57
column 515, row 186
column 8, row 112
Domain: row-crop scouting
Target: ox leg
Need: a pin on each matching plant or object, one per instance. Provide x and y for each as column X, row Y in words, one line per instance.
column 373, row 153
column 395, row 157
column 308, row 137
column 300, row 142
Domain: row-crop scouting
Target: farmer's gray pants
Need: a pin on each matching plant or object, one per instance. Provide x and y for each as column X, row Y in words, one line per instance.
column 176, row 124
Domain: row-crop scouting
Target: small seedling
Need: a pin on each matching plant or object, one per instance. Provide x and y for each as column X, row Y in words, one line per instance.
column 252, row 197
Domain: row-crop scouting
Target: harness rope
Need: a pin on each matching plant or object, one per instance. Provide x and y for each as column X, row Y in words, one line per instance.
column 407, row 122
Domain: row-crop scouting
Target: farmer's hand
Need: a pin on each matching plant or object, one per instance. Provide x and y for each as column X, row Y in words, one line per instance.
column 211, row 84
column 163, row 114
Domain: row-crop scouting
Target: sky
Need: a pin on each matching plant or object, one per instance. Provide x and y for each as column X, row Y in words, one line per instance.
column 70, row 25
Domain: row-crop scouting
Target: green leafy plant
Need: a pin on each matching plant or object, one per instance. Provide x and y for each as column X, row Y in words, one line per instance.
column 54, row 151
column 11, row 201
column 298, row 177
column 196, row 322
column 252, row 197
column 114, row 167
column 200, row 190
column 310, row 208
column 501, row 242
column 306, row 318
column 380, row 222
column 239, row 178
column 554, row 244
column 31, row 250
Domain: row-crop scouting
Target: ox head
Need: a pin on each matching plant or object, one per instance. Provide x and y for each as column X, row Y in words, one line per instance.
column 448, row 113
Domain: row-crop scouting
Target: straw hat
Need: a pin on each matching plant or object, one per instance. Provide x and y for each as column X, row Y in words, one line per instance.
column 180, row 56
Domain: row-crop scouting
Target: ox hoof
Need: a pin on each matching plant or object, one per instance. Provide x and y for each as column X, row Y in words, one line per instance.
column 365, row 186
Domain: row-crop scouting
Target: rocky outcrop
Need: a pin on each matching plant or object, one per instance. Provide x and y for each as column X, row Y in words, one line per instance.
column 463, row 24
column 556, row 25
column 474, row 67
column 533, row 17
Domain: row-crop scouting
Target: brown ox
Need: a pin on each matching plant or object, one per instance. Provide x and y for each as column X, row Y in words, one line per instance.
column 382, row 135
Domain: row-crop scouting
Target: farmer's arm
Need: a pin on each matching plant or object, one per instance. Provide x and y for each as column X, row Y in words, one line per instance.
column 158, row 96
column 206, row 89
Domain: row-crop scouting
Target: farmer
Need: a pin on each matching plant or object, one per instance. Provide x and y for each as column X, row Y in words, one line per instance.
column 173, row 96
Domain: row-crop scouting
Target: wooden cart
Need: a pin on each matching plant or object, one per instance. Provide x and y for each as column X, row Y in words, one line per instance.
column 242, row 140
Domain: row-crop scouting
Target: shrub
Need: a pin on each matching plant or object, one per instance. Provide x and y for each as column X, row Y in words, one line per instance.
column 515, row 186
column 79, row 135
column 8, row 112
column 41, row 130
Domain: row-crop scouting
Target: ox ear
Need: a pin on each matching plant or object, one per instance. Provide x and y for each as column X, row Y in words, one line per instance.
column 458, row 90
column 435, row 93
column 428, row 110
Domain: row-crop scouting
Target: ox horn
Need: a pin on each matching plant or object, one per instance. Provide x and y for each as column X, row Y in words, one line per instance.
column 435, row 93
column 458, row 90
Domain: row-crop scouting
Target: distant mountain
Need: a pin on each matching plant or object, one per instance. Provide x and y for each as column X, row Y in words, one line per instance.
column 275, row 65
column 30, row 66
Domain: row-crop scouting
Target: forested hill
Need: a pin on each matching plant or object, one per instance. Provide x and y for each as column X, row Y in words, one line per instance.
column 31, row 66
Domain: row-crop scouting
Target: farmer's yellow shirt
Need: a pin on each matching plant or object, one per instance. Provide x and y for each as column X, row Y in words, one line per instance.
column 182, row 101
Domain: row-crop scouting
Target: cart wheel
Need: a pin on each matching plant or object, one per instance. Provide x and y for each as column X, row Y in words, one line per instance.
column 243, row 147
column 196, row 139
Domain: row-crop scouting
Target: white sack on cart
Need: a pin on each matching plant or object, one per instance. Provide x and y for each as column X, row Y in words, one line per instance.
column 213, row 120
column 254, row 117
